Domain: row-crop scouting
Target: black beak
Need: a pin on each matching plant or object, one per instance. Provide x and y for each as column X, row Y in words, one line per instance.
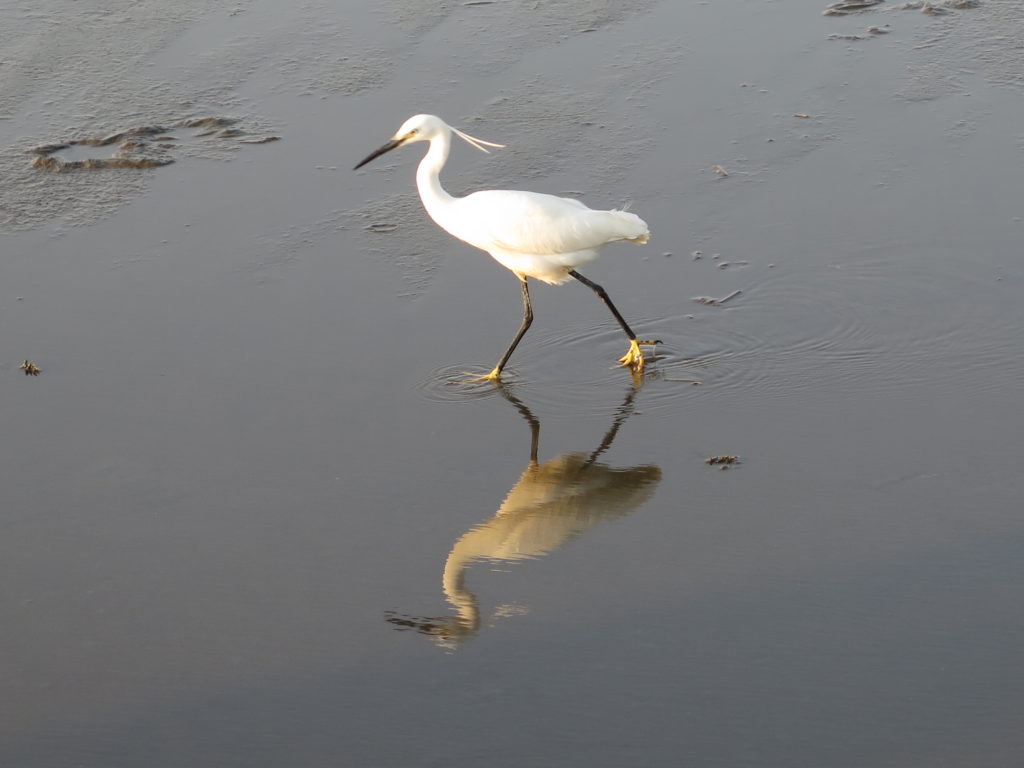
column 386, row 148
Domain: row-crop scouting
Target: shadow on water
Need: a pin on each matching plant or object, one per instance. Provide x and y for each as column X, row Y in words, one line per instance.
column 550, row 505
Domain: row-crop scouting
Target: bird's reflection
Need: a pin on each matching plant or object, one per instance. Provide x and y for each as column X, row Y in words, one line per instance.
column 551, row 504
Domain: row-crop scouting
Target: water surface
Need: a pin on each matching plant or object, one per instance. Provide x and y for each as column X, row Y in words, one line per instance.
column 244, row 506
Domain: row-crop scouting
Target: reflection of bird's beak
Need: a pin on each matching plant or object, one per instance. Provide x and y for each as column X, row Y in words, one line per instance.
column 386, row 148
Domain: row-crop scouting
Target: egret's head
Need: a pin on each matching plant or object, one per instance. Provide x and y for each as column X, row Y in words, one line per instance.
column 420, row 128
column 425, row 128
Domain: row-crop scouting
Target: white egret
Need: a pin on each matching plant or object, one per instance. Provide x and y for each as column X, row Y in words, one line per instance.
column 534, row 235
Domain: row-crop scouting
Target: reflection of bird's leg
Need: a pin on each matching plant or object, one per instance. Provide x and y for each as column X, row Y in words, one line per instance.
column 622, row 413
column 634, row 358
column 527, row 320
column 527, row 414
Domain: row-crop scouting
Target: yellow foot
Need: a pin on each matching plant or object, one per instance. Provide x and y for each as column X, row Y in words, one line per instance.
column 494, row 375
column 634, row 358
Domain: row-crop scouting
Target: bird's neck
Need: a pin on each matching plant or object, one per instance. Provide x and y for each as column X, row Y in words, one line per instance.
column 453, row 582
column 428, row 179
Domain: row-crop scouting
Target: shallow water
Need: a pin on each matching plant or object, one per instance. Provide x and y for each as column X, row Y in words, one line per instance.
column 249, row 520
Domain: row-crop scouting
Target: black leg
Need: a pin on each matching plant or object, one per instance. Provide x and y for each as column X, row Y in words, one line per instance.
column 604, row 297
column 527, row 320
column 634, row 358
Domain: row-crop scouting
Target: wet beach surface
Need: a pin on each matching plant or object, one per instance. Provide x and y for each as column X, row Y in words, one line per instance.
column 248, row 519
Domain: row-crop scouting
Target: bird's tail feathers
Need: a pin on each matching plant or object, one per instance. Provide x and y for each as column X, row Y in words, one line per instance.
column 478, row 143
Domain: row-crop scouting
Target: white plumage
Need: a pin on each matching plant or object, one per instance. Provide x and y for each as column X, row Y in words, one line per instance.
column 537, row 235
column 532, row 234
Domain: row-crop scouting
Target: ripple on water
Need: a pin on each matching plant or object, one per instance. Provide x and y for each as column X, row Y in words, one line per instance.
column 879, row 324
column 565, row 371
column 456, row 384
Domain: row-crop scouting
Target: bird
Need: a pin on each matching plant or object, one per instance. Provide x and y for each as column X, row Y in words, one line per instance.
column 530, row 233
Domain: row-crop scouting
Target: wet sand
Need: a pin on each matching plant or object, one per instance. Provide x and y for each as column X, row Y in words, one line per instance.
column 248, row 520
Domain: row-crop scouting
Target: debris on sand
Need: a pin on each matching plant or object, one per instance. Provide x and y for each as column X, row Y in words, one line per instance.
column 722, row 462
column 712, row 302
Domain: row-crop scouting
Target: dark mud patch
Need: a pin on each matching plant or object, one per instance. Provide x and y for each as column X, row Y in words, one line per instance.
column 150, row 146
column 102, row 71
column 845, row 7
column 932, row 7
column 88, row 174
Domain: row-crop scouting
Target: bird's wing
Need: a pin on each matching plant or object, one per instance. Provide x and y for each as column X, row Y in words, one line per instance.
column 534, row 223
